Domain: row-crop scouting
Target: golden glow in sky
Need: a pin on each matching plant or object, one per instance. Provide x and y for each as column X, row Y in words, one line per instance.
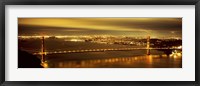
column 113, row 26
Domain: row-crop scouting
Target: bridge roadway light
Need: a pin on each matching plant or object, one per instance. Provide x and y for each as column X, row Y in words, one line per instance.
column 179, row 47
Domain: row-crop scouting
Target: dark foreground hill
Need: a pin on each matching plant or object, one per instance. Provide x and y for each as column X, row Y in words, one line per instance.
column 26, row 60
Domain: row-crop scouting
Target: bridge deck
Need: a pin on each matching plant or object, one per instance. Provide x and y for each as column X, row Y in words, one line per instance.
column 99, row 50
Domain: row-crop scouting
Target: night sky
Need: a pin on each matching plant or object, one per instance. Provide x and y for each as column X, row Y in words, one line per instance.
column 137, row 27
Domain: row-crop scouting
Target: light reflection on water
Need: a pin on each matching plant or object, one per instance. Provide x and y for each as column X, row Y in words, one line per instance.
column 146, row 61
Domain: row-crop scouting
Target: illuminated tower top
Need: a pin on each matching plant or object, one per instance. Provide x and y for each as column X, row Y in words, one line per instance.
column 148, row 42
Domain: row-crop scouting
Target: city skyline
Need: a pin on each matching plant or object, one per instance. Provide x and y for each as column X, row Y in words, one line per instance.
column 137, row 27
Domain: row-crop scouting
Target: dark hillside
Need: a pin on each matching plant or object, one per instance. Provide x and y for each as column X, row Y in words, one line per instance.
column 26, row 60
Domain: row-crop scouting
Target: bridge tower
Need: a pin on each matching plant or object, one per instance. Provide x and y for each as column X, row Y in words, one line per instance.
column 42, row 51
column 148, row 45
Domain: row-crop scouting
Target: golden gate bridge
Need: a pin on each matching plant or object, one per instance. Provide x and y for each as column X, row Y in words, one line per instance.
column 148, row 48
